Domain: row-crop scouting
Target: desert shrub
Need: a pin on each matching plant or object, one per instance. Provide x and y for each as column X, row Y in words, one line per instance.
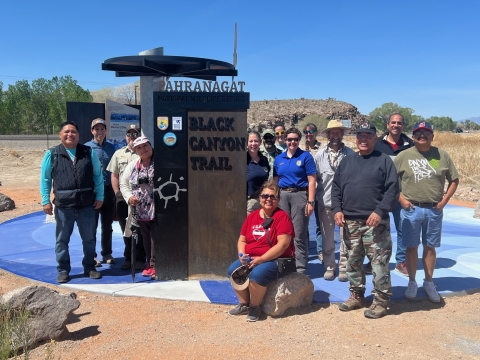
column 15, row 333
column 320, row 122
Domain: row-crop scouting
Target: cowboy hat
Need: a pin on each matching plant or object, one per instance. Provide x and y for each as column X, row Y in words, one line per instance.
column 335, row 124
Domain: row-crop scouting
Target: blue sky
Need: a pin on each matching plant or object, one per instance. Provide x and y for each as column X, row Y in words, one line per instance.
column 421, row 54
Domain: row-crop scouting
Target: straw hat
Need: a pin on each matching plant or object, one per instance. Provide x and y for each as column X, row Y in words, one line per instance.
column 335, row 124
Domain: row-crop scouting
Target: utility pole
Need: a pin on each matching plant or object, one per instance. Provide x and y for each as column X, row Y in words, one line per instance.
column 136, row 86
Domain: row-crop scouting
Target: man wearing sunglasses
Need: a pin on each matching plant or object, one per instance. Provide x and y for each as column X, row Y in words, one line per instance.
column 422, row 171
column 280, row 137
column 269, row 150
column 392, row 143
column 119, row 162
column 364, row 191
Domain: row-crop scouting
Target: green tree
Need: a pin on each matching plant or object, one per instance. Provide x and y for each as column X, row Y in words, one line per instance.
column 17, row 108
column 381, row 115
column 442, row 123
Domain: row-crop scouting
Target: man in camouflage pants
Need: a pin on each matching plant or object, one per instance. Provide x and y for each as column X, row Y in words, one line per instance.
column 364, row 191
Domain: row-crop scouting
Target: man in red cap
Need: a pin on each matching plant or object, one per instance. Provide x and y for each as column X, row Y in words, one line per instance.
column 422, row 171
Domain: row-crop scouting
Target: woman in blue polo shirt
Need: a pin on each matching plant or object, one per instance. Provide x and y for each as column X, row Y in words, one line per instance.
column 258, row 169
column 294, row 171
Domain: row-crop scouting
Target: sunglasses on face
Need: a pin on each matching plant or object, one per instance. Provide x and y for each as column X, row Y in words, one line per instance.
column 311, row 132
column 364, row 136
column 268, row 137
column 279, row 133
column 267, row 196
column 132, row 135
column 292, row 139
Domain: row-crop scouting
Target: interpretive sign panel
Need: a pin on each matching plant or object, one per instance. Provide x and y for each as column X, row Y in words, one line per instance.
column 200, row 181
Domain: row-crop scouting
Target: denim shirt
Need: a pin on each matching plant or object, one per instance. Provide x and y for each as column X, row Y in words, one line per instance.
column 104, row 153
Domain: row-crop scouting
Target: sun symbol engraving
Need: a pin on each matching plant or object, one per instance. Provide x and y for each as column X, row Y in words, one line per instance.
column 177, row 190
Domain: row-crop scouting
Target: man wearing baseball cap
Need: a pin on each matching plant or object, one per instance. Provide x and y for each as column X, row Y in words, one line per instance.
column 364, row 191
column 269, row 149
column 119, row 162
column 104, row 151
column 422, row 171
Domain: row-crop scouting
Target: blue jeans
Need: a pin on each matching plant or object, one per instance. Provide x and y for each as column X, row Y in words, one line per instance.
column 318, row 231
column 422, row 222
column 263, row 274
column 85, row 219
column 397, row 219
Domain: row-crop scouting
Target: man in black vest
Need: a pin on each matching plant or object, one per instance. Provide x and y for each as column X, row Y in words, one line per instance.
column 78, row 189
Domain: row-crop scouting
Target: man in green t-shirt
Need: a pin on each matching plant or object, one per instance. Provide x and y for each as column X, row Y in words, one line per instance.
column 422, row 171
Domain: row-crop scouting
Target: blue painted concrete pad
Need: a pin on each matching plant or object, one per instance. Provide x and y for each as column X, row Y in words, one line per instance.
column 27, row 249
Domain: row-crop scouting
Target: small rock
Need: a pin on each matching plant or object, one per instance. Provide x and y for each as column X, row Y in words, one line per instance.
column 6, row 203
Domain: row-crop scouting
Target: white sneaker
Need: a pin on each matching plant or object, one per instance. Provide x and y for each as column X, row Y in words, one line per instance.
column 411, row 292
column 431, row 291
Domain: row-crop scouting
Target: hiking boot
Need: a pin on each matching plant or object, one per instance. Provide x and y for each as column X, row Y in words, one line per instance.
column 329, row 275
column 127, row 265
column 376, row 310
column 254, row 313
column 240, row 309
column 342, row 276
column 411, row 292
column 148, row 271
column 93, row 274
column 63, row 277
column 320, row 257
column 97, row 263
column 367, row 269
column 139, row 265
column 431, row 291
column 355, row 301
column 402, row 268
column 108, row 259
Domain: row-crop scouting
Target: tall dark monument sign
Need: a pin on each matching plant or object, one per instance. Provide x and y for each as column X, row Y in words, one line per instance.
column 199, row 130
column 200, row 181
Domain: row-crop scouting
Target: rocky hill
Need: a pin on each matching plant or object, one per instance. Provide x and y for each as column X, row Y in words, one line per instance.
column 266, row 113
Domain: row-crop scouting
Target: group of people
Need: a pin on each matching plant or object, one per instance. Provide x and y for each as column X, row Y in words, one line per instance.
column 92, row 182
column 353, row 190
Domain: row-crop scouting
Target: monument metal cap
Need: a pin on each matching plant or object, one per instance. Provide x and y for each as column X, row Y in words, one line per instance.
column 154, row 63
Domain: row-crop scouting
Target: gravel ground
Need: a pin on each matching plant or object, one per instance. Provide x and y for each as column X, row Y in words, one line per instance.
column 136, row 328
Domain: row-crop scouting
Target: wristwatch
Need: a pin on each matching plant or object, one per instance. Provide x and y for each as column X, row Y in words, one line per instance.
column 311, row 202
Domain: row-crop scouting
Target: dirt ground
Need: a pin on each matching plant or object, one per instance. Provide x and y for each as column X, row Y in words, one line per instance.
column 137, row 328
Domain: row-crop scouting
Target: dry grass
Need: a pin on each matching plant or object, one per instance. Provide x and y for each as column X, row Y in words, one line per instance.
column 464, row 149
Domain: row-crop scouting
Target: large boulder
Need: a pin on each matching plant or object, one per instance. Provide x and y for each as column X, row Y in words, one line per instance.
column 291, row 291
column 47, row 311
column 6, row 203
column 476, row 213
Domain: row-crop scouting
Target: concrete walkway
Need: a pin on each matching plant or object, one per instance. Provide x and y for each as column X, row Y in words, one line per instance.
column 27, row 249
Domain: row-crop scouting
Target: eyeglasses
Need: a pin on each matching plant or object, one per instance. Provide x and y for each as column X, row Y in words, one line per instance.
column 422, row 132
column 311, row 132
column 132, row 135
column 292, row 139
column 279, row 133
column 266, row 196
column 268, row 137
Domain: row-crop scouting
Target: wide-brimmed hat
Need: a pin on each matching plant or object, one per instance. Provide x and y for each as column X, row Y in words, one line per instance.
column 140, row 140
column 240, row 278
column 335, row 124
